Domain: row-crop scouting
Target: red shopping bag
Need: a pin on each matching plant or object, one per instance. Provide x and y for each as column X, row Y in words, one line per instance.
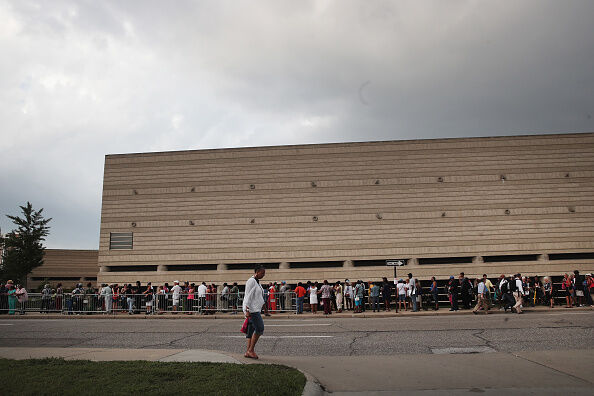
column 245, row 325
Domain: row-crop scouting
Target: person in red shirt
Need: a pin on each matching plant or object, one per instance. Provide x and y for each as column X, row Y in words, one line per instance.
column 300, row 294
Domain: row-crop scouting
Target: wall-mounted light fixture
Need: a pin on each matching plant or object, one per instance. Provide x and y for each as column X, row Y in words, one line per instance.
column 252, row 186
column 314, row 184
column 133, row 224
column 315, row 218
column 440, row 179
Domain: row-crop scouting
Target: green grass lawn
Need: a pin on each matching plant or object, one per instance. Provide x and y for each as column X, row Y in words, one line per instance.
column 82, row 377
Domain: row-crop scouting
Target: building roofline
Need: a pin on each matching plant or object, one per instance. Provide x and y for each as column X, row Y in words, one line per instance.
column 337, row 144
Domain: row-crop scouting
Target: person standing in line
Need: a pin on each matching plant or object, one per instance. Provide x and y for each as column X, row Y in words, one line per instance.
column 313, row 297
column 401, row 292
column 202, row 297
column 253, row 302
column 434, row 293
column 176, row 291
column 46, row 297
column 453, row 287
column 386, row 294
column 518, row 293
column 548, row 292
column 106, row 293
column 129, row 292
column 482, row 297
column 412, row 282
column 359, row 292
column 59, row 297
column 465, row 289
column 282, row 295
column 374, row 292
column 300, row 295
column 490, row 288
column 225, row 297
column 23, row 297
column 191, row 298
column 234, row 296
column 3, row 299
column 589, row 289
column 578, row 288
column 272, row 297
column 349, row 297
column 339, row 296
column 326, row 295
column 12, row 298
column 148, row 298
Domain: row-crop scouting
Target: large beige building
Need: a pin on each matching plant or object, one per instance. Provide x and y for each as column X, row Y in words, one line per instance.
column 336, row 211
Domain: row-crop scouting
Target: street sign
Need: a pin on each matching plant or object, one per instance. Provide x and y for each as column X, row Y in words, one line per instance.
column 395, row 264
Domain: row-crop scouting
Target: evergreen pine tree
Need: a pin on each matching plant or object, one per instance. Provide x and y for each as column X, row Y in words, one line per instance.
column 23, row 248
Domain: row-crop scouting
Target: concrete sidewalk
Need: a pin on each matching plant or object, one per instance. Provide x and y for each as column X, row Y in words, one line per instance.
column 109, row 354
column 543, row 372
column 307, row 315
column 568, row 372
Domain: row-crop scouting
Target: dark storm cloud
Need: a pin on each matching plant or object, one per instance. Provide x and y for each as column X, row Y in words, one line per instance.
column 90, row 78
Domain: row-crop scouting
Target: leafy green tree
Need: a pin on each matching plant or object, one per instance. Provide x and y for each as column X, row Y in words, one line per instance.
column 23, row 247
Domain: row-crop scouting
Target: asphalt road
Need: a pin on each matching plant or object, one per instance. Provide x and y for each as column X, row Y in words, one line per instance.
column 558, row 330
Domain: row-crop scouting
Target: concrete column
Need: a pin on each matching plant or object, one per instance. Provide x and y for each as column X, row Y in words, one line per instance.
column 284, row 266
column 412, row 261
column 543, row 258
column 222, row 267
column 348, row 264
column 104, row 268
column 162, row 268
column 477, row 260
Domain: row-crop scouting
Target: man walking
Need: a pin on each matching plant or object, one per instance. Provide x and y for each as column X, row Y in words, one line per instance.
column 253, row 302
column 483, row 297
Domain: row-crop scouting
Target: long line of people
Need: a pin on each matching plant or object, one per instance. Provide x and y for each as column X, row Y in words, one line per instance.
column 509, row 293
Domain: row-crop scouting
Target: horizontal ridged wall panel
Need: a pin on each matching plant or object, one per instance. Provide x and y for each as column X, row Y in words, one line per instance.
column 376, row 200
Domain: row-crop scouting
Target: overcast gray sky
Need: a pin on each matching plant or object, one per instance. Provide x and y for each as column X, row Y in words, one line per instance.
column 81, row 79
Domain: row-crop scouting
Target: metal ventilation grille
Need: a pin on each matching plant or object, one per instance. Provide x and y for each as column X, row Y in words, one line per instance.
column 120, row 240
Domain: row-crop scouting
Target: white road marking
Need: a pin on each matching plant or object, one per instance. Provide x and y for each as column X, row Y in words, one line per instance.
column 462, row 350
column 289, row 336
column 300, row 325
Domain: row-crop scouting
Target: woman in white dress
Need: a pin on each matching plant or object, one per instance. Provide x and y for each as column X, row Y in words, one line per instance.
column 313, row 297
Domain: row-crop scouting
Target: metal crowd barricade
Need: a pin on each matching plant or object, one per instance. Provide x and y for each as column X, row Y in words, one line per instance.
column 159, row 303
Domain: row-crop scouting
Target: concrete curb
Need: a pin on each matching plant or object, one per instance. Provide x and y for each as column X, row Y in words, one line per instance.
column 312, row 386
column 343, row 315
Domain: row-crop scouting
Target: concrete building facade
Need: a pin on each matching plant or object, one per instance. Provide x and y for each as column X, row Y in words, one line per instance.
column 336, row 211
